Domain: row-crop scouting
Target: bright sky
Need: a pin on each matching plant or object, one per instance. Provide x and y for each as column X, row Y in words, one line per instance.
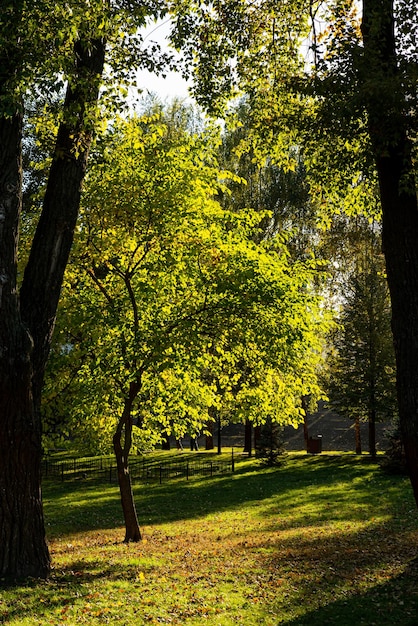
column 171, row 86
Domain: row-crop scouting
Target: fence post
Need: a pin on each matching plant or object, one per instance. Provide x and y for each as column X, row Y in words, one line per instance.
column 211, row 469
column 233, row 460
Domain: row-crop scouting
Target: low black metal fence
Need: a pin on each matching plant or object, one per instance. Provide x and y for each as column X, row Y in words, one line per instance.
column 140, row 469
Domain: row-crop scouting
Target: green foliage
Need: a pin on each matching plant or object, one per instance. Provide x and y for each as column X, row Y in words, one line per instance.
column 270, row 446
column 362, row 366
column 175, row 297
column 302, row 70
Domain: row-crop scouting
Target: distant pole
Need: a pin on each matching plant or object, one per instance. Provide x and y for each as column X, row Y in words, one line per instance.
column 233, row 460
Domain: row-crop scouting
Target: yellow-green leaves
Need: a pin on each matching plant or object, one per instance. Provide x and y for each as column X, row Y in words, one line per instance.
column 170, row 292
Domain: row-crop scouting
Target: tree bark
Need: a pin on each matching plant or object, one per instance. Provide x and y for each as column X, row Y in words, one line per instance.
column 388, row 129
column 372, row 433
column 122, row 441
column 209, row 445
column 50, row 250
column 26, row 325
column 357, row 435
column 23, row 549
column 248, row 446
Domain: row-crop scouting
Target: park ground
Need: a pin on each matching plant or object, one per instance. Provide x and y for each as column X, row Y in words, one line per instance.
column 321, row 540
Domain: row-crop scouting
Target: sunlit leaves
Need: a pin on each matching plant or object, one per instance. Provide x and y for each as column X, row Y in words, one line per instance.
column 169, row 290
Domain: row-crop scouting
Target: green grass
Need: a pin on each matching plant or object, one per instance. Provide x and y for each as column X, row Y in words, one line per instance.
column 322, row 540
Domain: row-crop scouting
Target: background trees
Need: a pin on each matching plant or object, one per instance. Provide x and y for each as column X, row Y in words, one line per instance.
column 338, row 80
column 362, row 366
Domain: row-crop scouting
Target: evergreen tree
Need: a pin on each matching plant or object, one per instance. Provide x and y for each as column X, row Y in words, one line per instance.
column 362, row 368
column 270, row 445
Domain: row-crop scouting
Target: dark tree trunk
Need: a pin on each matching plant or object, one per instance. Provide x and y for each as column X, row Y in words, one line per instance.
column 248, row 446
column 372, row 433
column 357, row 435
column 26, row 327
column 50, row 250
column 23, row 549
column 209, row 445
column 122, row 441
column 257, row 435
column 389, row 136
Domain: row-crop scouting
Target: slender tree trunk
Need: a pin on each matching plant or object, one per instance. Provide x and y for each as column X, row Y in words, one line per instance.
column 122, row 441
column 218, row 419
column 372, row 433
column 305, row 421
column 257, row 436
column 248, row 447
column 389, row 135
column 23, row 549
column 357, row 435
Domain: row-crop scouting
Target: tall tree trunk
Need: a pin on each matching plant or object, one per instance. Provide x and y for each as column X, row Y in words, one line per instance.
column 23, row 549
column 357, row 435
column 389, row 135
column 372, row 433
column 122, row 441
column 209, row 445
column 257, row 435
column 248, row 446
column 50, row 250
column 26, row 327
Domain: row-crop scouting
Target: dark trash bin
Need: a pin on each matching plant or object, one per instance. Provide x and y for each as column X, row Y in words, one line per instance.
column 315, row 445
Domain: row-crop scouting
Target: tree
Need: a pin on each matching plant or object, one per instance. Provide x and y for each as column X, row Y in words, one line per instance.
column 43, row 45
column 175, row 288
column 350, row 105
column 270, row 446
column 362, row 371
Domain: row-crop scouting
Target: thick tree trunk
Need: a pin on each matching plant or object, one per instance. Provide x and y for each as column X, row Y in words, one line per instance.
column 122, row 441
column 50, row 250
column 219, row 438
column 23, row 549
column 26, row 327
column 389, row 135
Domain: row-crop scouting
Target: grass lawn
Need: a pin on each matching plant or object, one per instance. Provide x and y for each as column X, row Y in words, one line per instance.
column 322, row 540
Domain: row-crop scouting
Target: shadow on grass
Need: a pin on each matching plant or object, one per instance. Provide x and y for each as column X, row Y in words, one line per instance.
column 63, row 588
column 394, row 602
column 324, row 482
column 342, row 575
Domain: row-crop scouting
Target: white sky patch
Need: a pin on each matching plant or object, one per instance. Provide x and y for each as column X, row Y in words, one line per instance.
column 173, row 85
